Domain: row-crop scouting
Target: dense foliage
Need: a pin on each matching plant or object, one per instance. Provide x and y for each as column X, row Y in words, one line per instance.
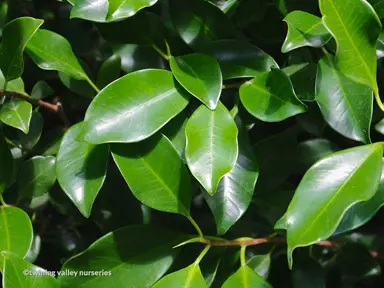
column 191, row 143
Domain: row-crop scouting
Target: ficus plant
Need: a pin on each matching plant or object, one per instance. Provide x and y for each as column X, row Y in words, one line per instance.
column 191, row 143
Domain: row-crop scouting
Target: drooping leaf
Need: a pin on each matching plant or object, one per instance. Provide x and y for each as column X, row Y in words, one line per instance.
column 346, row 105
column 245, row 277
column 17, row 113
column 138, row 255
column 355, row 26
column 41, row 90
column 332, row 186
column 304, row 29
column 130, row 110
column 188, row 277
column 20, row 273
column 199, row 22
column 235, row 190
column 239, row 59
column 270, row 97
column 81, row 169
column 16, row 232
column 51, row 51
column 6, row 163
column 109, row 71
column 200, row 75
column 16, row 35
column 36, row 176
column 211, row 149
column 155, row 174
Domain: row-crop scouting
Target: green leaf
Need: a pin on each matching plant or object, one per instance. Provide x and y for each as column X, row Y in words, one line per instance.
column 41, row 90
column 81, row 169
column 20, row 273
column 235, row 190
column 211, row 149
column 380, row 46
column 6, row 164
column 138, row 255
column 36, row 176
column 28, row 141
column 355, row 26
column 175, row 132
column 16, row 85
column 109, row 71
column 332, row 186
column 378, row 5
column 362, row 212
column 303, row 78
column 200, row 75
column 261, row 264
column 239, row 59
column 155, row 173
column 189, row 277
column 119, row 9
column 346, row 105
column 79, row 87
column 16, row 35
column 51, row 51
column 270, row 97
column 199, row 22
column 17, row 113
column 307, row 272
column 304, row 29
column 131, row 109
column 16, row 232
column 245, row 277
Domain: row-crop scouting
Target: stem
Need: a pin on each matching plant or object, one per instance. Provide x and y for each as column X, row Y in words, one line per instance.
column 202, row 254
column 169, row 54
column 325, row 51
column 162, row 54
column 196, row 227
column 378, row 99
column 93, row 85
column 232, row 85
column 2, row 201
column 242, row 256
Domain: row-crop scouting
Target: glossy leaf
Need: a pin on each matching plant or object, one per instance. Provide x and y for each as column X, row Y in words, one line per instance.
column 304, row 29
column 175, row 132
column 51, row 51
column 239, row 59
column 245, row 277
column 346, row 105
column 155, row 174
column 25, row 274
column 131, row 254
column 332, row 186
column 188, row 277
column 16, row 85
column 261, row 264
column 6, row 163
column 270, row 97
column 211, row 149
column 355, row 26
column 17, row 232
column 199, row 22
column 16, row 35
column 129, row 110
column 109, row 71
column 200, row 75
column 81, row 169
column 235, row 190
column 126, row 8
column 17, row 113
column 380, row 45
column 41, row 90
column 36, row 176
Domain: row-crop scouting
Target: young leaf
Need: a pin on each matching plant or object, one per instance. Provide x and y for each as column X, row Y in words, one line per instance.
column 81, row 169
column 211, row 149
column 134, row 107
column 138, row 255
column 188, row 277
column 239, row 59
column 17, row 113
column 200, row 75
column 304, row 29
column 355, row 26
column 51, row 51
column 332, row 186
column 155, row 174
column 25, row 274
column 6, row 164
column 16, row 232
column 16, row 35
column 36, row 176
column 235, row 190
column 200, row 22
column 346, row 105
column 245, row 277
column 270, row 97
